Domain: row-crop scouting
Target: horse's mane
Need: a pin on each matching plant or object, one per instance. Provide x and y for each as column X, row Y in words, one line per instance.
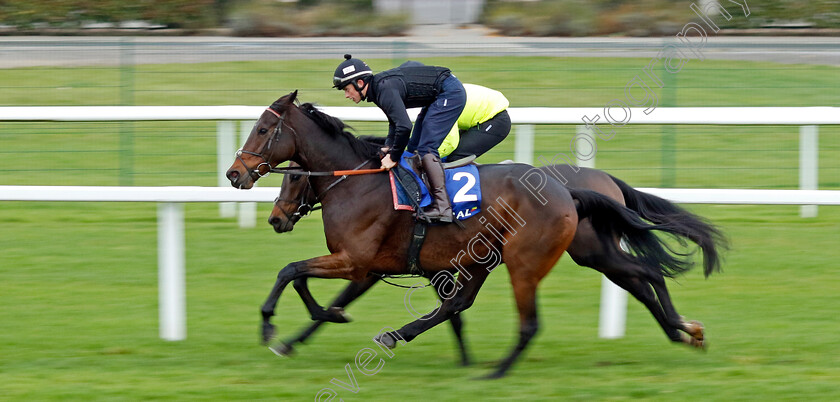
column 336, row 127
column 373, row 139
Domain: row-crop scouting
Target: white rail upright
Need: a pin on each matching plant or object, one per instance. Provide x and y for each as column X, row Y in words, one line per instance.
column 524, row 148
column 225, row 146
column 808, row 166
column 171, row 272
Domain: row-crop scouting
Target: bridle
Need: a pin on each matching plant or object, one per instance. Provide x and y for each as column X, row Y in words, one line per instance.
column 304, row 208
column 257, row 170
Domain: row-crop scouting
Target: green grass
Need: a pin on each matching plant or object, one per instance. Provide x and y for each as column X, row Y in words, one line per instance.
column 79, row 292
column 78, row 281
column 526, row 81
column 183, row 153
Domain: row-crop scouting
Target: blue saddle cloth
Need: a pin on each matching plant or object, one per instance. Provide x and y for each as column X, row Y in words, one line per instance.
column 462, row 184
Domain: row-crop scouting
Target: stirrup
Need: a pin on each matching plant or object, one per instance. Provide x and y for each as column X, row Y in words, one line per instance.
column 434, row 217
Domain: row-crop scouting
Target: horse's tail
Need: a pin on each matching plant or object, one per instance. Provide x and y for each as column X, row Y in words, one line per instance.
column 684, row 224
column 612, row 221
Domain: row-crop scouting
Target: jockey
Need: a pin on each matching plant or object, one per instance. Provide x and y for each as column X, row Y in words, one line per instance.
column 434, row 89
column 482, row 125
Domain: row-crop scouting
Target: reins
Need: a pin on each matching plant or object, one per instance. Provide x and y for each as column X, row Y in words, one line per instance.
column 353, row 172
column 305, row 208
column 382, row 278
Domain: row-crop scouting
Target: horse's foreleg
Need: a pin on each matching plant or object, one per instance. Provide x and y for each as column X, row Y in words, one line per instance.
column 285, row 276
column 351, row 293
column 329, row 266
column 461, row 301
column 318, row 313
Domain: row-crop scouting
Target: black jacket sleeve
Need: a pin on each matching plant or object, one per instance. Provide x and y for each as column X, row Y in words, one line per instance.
column 399, row 124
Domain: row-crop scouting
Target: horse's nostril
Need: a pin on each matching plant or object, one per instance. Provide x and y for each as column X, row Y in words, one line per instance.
column 273, row 221
column 232, row 175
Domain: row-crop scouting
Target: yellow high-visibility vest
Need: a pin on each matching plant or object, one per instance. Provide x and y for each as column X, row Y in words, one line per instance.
column 482, row 104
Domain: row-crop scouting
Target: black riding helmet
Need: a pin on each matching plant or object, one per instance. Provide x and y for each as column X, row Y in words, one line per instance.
column 349, row 71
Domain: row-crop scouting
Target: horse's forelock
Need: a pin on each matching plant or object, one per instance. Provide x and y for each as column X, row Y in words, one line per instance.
column 277, row 107
column 282, row 104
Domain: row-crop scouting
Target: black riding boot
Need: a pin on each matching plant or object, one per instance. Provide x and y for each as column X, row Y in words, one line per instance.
column 440, row 210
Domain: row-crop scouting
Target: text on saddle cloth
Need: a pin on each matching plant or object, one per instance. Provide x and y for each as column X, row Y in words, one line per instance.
column 462, row 184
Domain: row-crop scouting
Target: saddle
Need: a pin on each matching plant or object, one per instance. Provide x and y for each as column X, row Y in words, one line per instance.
column 414, row 162
column 412, row 189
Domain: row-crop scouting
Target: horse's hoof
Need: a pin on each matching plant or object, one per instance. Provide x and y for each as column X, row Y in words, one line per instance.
column 338, row 315
column 267, row 333
column 696, row 330
column 386, row 340
column 699, row 344
column 283, row 349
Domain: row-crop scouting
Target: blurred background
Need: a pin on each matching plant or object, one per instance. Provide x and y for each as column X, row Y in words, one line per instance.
column 273, row 47
column 78, row 281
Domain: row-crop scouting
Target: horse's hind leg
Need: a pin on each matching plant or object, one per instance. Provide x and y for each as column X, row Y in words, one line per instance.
column 694, row 329
column 642, row 291
column 457, row 325
column 461, row 301
column 525, row 291
column 528, row 262
column 659, row 305
column 641, row 282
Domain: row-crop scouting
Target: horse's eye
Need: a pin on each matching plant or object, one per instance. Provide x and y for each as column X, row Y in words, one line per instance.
column 294, row 177
column 263, row 130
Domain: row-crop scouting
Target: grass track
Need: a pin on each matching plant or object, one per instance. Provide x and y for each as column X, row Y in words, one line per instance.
column 80, row 322
column 78, row 281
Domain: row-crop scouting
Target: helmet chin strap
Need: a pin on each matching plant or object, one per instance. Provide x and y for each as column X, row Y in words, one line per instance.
column 362, row 96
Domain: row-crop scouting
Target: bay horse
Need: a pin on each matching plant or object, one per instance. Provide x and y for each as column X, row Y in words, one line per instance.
column 297, row 198
column 365, row 235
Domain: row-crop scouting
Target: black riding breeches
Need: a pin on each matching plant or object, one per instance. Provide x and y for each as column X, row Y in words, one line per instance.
column 479, row 139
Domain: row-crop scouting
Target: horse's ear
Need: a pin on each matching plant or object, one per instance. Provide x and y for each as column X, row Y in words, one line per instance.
column 293, row 96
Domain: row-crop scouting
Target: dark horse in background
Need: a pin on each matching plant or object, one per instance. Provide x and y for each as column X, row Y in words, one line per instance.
column 365, row 235
column 297, row 198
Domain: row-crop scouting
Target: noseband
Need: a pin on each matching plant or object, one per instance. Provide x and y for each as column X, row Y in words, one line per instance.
column 303, row 209
column 256, row 171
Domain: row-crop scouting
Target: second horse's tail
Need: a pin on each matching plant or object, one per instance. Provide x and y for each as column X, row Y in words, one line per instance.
column 683, row 224
column 613, row 221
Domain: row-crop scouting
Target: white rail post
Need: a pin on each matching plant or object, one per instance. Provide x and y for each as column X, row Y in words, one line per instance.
column 524, row 147
column 225, row 146
column 613, row 314
column 247, row 210
column 584, row 152
column 171, row 272
column 808, row 166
